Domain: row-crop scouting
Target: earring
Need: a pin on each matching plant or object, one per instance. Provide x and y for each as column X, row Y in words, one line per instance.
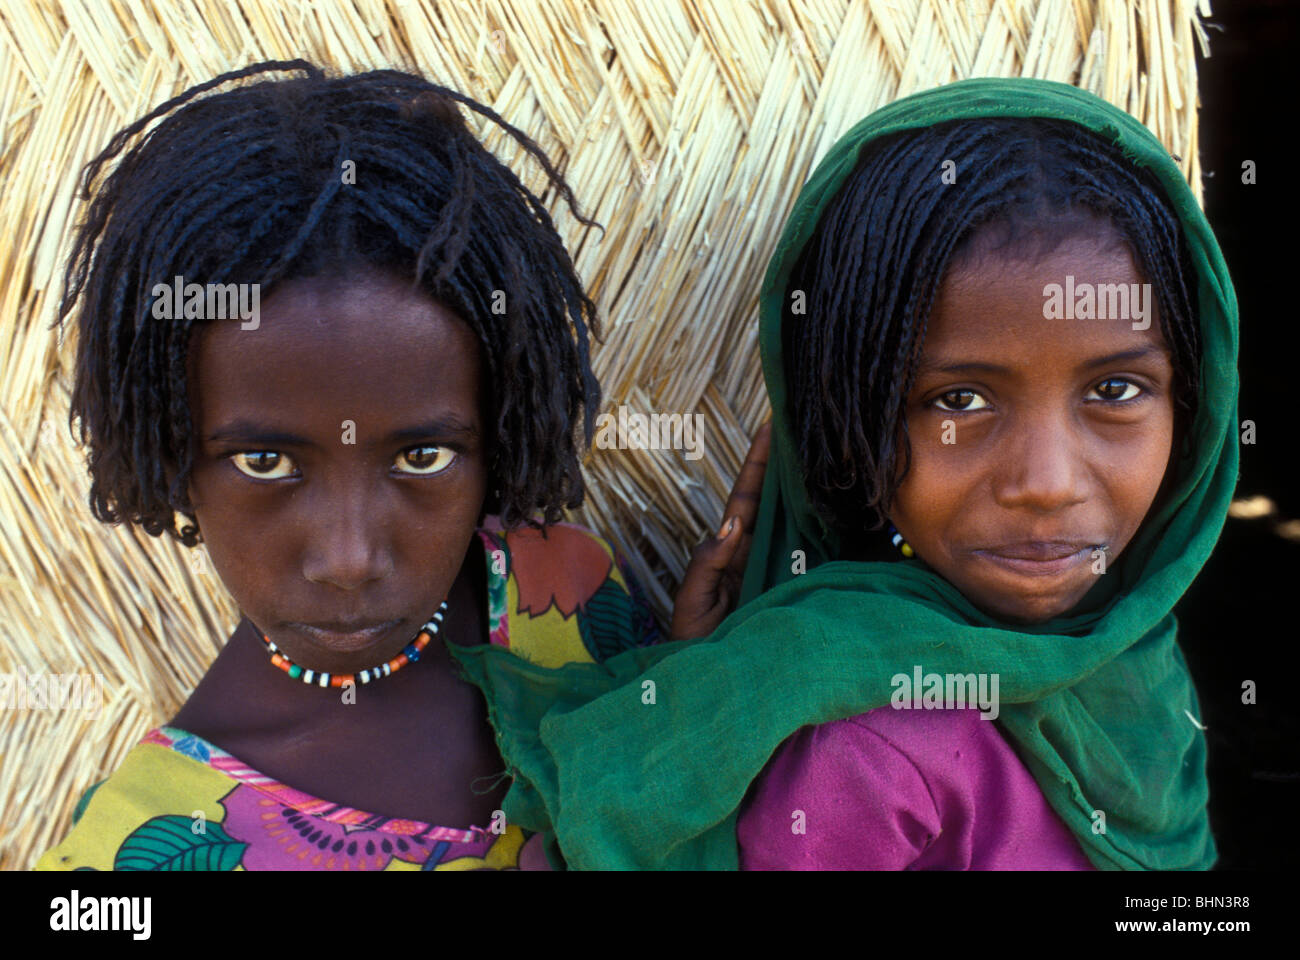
column 904, row 547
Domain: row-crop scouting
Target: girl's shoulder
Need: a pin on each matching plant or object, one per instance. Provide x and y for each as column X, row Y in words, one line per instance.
column 902, row 789
column 179, row 802
column 104, row 832
column 562, row 594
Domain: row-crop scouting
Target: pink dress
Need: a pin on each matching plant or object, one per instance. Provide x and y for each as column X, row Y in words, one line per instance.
column 901, row 790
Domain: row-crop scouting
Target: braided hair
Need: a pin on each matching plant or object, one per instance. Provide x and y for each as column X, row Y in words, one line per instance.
column 871, row 271
column 250, row 184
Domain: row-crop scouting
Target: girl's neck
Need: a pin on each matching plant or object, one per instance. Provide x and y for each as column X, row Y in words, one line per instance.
column 408, row 745
column 867, row 546
column 242, row 690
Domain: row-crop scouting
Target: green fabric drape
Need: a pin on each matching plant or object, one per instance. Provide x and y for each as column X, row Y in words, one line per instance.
column 642, row 761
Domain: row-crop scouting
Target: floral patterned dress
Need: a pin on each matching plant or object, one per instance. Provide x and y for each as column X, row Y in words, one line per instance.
column 179, row 802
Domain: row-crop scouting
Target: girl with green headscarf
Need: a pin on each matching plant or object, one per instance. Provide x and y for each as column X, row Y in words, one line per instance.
column 946, row 346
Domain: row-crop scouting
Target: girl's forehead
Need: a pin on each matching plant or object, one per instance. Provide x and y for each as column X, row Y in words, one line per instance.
column 368, row 311
column 365, row 346
column 993, row 244
column 1085, row 297
column 989, row 271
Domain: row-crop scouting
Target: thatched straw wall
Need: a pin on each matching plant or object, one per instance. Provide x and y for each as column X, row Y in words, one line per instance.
column 686, row 128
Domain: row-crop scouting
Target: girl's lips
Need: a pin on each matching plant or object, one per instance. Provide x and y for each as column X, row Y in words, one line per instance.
column 1038, row 560
column 353, row 642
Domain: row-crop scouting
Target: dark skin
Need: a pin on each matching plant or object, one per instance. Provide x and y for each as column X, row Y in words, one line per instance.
column 316, row 529
column 302, row 526
column 1063, row 431
column 711, row 586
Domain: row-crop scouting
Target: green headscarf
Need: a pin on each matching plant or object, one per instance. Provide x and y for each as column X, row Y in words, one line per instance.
column 642, row 761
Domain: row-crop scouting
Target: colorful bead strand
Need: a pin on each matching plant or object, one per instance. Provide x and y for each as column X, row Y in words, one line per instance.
column 903, row 546
column 319, row 678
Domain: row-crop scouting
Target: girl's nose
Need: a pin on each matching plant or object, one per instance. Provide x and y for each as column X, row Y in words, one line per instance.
column 346, row 546
column 1043, row 468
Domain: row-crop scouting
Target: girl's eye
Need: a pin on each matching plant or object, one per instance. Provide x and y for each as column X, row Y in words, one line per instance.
column 270, row 465
column 428, row 459
column 262, row 464
column 960, row 401
column 1117, row 390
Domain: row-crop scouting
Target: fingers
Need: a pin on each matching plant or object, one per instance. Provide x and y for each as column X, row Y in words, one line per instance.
column 695, row 604
column 715, row 553
column 748, row 488
column 712, row 581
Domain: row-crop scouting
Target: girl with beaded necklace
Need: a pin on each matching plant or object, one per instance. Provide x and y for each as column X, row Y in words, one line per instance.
column 376, row 459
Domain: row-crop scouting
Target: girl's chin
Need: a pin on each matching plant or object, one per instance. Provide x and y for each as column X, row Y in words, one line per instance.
column 1024, row 609
column 361, row 644
column 322, row 652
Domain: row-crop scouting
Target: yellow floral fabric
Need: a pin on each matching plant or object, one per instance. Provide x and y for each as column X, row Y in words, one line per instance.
column 179, row 802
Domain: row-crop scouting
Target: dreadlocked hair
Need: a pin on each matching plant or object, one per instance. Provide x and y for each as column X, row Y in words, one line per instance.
column 250, row 184
column 870, row 273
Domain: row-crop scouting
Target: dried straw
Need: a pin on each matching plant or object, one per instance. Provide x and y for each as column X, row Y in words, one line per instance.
column 686, row 127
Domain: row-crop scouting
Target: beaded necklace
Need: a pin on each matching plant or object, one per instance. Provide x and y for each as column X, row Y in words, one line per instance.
column 321, row 679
